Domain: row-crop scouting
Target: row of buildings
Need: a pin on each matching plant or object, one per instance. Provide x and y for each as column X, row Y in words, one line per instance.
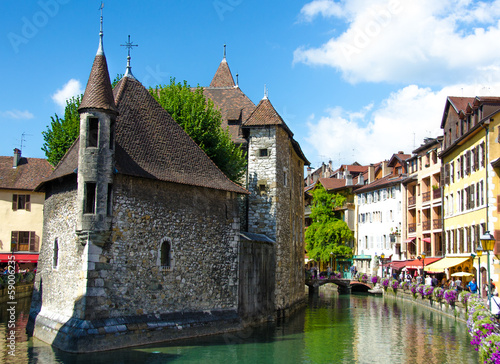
column 428, row 208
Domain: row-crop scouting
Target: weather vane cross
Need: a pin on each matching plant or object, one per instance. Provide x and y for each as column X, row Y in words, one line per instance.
column 129, row 45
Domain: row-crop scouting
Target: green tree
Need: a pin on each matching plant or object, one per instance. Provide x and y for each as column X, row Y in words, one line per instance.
column 198, row 116
column 61, row 133
column 328, row 233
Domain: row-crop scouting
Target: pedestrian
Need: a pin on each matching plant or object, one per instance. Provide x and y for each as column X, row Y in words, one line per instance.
column 472, row 285
column 428, row 281
column 434, row 281
column 458, row 284
column 419, row 279
column 495, row 305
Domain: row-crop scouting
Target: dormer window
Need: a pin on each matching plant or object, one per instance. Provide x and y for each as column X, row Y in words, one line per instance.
column 93, row 132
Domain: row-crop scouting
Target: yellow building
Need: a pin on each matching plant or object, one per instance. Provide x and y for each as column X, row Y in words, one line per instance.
column 470, row 183
column 21, row 208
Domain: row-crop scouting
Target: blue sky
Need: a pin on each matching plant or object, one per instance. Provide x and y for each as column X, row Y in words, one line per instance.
column 355, row 80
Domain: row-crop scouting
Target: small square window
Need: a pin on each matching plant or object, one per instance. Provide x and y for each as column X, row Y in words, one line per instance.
column 262, row 189
column 263, row 153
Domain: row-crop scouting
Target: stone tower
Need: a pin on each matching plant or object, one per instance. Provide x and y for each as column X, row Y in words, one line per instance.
column 96, row 153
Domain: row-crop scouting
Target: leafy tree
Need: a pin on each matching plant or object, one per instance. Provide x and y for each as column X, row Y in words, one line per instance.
column 202, row 121
column 117, row 79
column 328, row 233
column 61, row 133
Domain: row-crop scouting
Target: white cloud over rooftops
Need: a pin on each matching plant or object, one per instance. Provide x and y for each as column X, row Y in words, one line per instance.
column 16, row 114
column 426, row 42
column 71, row 88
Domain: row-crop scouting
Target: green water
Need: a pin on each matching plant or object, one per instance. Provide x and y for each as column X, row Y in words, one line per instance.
column 332, row 329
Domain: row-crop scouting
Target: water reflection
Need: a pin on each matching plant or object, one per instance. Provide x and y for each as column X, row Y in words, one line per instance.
column 332, row 329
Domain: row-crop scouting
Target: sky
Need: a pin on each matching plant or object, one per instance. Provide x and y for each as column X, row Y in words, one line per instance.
column 355, row 80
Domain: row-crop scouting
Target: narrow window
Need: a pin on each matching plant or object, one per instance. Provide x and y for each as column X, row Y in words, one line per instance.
column 263, row 153
column 93, row 132
column 284, row 179
column 90, row 194
column 165, row 257
column 262, row 189
column 112, row 135
column 55, row 254
column 109, row 202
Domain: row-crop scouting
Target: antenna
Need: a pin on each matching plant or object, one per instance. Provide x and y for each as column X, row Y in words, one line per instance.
column 23, row 139
column 224, row 51
column 237, row 82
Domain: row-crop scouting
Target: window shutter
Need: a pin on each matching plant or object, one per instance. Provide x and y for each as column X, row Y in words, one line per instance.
column 483, row 155
column 13, row 240
column 32, row 241
column 14, row 202
column 498, row 203
column 27, row 204
column 496, row 248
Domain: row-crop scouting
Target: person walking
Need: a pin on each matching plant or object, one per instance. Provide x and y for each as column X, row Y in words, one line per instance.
column 472, row 285
column 495, row 305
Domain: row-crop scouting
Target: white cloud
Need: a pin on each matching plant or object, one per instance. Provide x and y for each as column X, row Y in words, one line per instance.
column 373, row 134
column 16, row 114
column 427, row 42
column 71, row 88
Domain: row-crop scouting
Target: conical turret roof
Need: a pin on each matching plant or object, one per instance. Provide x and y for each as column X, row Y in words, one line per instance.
column 98, row 93
column 223, row 76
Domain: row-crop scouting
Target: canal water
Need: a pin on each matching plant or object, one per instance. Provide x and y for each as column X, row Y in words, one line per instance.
column 331, row 329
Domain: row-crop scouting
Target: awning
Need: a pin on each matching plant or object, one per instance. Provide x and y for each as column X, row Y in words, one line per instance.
column 426, row 240
column 397, row 265
column 419, row 264
column 444, row 263
column 19, row 257
column 409, row 240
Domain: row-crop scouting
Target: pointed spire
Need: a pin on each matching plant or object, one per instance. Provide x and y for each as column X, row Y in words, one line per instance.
column 100, row 50
column 129, row 45
column 265, row 92
column 223, row 76
column 237, row 81
column 98, row 93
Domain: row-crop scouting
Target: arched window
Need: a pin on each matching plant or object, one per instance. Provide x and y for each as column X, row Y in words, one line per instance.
column 165, row 255
column 55, row 256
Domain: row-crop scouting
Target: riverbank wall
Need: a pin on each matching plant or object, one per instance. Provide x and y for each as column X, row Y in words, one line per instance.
column 457, row 311
column 20, row 291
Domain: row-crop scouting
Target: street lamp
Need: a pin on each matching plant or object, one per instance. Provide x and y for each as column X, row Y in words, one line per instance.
column 331, row 261
column 423, row 265
column 488, row 242
column 479, row 252
column 382, row 266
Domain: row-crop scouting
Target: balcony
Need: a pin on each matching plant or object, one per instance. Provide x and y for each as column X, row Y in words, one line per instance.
column 412, row 227
column 437, row 224
column 412, row 200
column 426, row 225
column 436, row 193
column 426, row 196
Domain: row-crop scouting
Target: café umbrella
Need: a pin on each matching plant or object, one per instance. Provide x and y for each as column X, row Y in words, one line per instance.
column 461, row 274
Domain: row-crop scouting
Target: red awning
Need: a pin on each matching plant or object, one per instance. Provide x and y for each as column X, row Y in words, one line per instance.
column 419, row 264
column 409, row 240
column 19, row 257
column 398, row 265
column 426, row 240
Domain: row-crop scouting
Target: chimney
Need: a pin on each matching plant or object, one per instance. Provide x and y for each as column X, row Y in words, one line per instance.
column 361, row 179
column 371, row 173
column 17, row 158
column 385, row 170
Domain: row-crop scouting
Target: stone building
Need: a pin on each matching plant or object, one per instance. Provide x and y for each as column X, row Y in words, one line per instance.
column 143, row 230
column 275, row 206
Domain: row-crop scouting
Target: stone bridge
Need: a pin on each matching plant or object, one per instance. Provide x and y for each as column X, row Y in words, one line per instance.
column 344, row 285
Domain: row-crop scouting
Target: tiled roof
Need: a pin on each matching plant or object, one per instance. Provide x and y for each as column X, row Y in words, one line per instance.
column 98, row 93
column 26, row 176
column 150, row 144
column 381, row 182
column 266, row 114
column 230, row 102
column 460, row 103
column 332, row 183
column 223, row 76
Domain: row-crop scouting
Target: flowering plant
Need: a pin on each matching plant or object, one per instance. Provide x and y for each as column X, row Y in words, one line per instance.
column 420, row 289
column 363, row 278
column 413, row 288
column 450, row 296
column 375, row 279
column 438, row 293
column 385, row 282
column 489, row 351
column 463, row 297
column 394, row 284
column 405, row 285
column 427, row 292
